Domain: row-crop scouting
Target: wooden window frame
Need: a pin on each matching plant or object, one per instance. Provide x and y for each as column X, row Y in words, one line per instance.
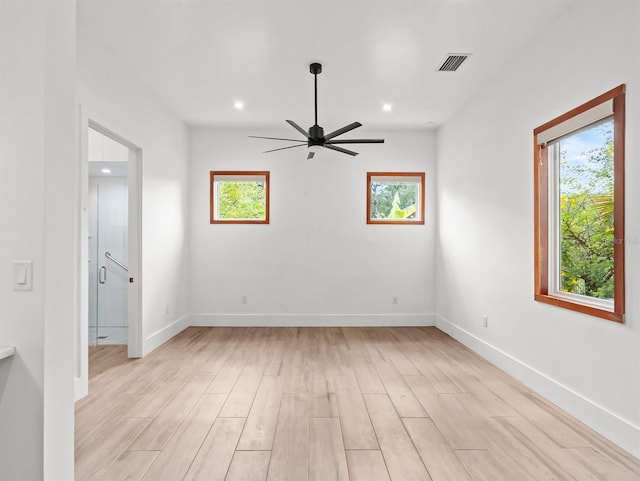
column 420, row 221
column 240, row 173
column 541, row 211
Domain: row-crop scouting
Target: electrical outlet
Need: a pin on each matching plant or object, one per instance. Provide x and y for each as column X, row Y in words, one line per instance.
column 485, row 320
column 243, row 299
column 394, row 300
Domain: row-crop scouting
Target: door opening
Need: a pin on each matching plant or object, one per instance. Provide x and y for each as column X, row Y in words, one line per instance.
column 109, row 291
column 108, row 232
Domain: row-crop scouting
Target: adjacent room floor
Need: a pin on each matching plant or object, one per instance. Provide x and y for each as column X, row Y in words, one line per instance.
column 323, row 404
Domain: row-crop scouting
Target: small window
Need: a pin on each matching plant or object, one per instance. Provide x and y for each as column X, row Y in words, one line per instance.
column 579, row 208
column 395, row 197
column 239, row 197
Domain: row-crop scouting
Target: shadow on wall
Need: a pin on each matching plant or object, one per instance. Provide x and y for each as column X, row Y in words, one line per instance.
column 5, row 371
column 19, row 424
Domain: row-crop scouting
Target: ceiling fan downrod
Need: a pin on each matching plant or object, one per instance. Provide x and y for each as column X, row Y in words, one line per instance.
column 315, row 132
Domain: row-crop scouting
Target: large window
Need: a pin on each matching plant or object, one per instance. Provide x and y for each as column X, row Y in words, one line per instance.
column 579, row 208
column 239, row 197
column 395, row 198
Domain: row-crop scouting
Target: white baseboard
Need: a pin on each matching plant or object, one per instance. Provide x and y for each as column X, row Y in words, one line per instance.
column 311, row 320
column 161, row 336
column 613, row 427
column 80, row 388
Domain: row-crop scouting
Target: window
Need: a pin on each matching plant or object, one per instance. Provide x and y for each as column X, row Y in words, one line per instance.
column 395, row 197
column 239, row 197
column 579, row 208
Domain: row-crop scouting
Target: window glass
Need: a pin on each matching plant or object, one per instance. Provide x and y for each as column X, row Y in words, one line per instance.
column 585, row 240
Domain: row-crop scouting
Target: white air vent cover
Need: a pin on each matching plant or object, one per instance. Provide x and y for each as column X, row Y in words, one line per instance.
column 452, row 62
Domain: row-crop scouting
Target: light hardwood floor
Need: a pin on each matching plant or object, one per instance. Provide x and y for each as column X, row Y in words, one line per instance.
column 324, row 404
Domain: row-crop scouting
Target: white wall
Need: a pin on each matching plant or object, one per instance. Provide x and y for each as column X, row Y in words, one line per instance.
column 317, row 262
column 113, row 97
column 38, row 187
column 589, row 366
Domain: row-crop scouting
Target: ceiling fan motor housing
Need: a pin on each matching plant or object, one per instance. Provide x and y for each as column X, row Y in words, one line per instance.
column 316, row 135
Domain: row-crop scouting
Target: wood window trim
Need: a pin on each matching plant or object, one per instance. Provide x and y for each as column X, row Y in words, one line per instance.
column 253, row 173
column 420, row 221
column 541, row 211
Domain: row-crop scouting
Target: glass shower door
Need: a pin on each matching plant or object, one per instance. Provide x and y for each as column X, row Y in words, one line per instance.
column 108, row 277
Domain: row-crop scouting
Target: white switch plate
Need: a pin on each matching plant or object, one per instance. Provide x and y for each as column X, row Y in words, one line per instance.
column 23, row 275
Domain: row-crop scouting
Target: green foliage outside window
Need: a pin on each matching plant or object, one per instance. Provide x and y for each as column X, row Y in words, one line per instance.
column 241, row 200
column 586, row 216
column 393, row 200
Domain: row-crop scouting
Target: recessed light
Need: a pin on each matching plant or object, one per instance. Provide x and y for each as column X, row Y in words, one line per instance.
column 239, row 105
column 106, row 171
column 387, row 107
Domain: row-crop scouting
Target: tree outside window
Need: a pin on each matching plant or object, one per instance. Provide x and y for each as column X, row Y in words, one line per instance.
column 239, row 197
column 395, row 198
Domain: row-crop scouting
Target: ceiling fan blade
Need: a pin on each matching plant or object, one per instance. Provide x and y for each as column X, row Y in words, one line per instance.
column 343, row 130
column 340, row 149
column 275, row 138
column 311, row 154
column 283, row 148
column 356, row 141
column 298, row 128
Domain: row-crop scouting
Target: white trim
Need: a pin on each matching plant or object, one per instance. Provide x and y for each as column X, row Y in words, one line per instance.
column 604, row 304
column 397, row 179
column 217, row 178
column 312, row 320
column 81, row 377
column 588, row 117
column 134, row 250
column 621, row 431
column 7, row 351
column 158, row 338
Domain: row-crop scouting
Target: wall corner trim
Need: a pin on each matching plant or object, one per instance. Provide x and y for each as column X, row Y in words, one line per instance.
column 610, row 425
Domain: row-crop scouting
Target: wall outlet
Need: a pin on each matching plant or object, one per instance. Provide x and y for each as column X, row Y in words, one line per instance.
column 394, row 300
column 485, row 320
column 243, row 299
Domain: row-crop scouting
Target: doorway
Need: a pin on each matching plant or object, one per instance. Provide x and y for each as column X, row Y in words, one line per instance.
column 109, row 291
column 108, row 247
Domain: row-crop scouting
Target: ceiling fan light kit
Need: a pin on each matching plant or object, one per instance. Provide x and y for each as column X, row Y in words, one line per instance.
column 315, row 138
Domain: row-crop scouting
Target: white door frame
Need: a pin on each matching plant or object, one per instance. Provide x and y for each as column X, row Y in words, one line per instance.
column 134, row 254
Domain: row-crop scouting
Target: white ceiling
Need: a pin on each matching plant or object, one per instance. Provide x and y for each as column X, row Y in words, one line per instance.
column 201, row 56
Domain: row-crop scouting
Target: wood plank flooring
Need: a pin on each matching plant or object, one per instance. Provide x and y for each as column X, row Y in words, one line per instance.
column 324, row 404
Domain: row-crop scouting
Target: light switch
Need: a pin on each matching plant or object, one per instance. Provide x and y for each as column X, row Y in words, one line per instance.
column 22, row 275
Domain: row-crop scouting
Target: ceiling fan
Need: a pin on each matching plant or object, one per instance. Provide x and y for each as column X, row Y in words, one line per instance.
column 315, row 138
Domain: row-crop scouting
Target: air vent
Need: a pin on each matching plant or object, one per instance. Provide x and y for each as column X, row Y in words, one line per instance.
column 453, row 62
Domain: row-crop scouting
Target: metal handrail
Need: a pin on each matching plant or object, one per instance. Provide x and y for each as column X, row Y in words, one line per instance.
column 120, row 264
